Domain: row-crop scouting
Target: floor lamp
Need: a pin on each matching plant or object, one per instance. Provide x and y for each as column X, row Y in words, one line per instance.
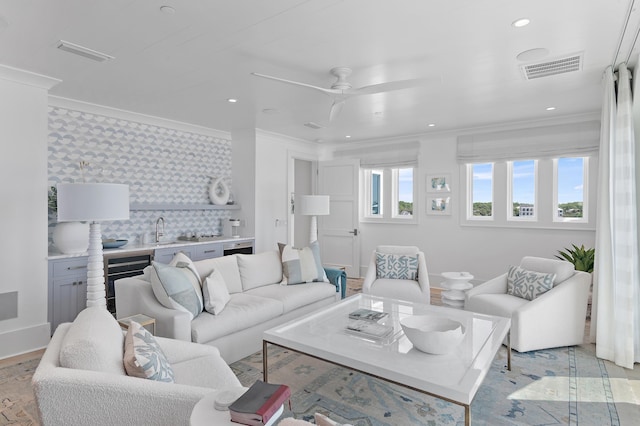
column 314, row 206
column 93, row 202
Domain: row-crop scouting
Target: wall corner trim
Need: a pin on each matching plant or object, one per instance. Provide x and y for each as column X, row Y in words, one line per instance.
column 27, row 77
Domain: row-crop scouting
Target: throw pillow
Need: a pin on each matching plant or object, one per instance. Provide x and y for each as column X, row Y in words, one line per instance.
column 528, row 284
column 143, row 357
column 177, row 287
column 301, row 265
column 214, row 290
column 397, row 266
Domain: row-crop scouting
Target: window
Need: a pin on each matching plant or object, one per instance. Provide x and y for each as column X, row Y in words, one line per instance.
column 522, row 177
column 570, row 178
column 481, row 191
column 389, row 194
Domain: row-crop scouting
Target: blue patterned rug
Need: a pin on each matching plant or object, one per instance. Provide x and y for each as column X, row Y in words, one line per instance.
column 563, row 386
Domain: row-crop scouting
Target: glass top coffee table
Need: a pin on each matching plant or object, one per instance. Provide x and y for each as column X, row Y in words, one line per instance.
column 454, row 377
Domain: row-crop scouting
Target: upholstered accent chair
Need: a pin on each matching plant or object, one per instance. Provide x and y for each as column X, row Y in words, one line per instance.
column 556, row 314
column 398, row 272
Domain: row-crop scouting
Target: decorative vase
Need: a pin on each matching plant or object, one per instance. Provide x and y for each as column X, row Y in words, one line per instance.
column 219, row 192
column 71, row 237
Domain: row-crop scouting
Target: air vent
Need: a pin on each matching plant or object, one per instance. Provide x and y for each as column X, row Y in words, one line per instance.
column 553, row 67
column 83, row 51
column 313, row 125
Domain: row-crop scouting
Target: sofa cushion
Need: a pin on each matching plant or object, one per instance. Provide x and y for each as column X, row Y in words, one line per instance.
column 397, row 266
column 562, row 269
column 528, row 284
column 301, row 265
column 242, row 311
column 177, row 287
column 294, row 297
column 503, row 305
column 94, row 342
column 143, row 357
column 259, row 269
column 215, row 293
column 398, row 289
column 228, row 268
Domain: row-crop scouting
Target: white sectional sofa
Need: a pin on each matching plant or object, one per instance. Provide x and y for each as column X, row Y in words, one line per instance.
column 257, row 302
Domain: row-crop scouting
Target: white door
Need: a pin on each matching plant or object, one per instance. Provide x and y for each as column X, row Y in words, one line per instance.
column 338, row 232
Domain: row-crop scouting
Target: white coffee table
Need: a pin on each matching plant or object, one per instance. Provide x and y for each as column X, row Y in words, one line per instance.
column 455, row 377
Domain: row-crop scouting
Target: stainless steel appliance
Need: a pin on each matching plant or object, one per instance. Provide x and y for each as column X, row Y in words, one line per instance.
column 122, row 265
column 244, row 247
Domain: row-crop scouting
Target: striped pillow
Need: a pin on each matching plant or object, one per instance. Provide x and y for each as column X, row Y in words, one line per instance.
column 301, row 265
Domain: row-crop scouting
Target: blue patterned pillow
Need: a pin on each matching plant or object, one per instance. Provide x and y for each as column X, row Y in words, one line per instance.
column 528, row 284
column 143, row 357
column 396, row 266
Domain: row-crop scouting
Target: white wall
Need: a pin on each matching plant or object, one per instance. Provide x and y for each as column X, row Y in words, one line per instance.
column 23, row 216
column 448, row 246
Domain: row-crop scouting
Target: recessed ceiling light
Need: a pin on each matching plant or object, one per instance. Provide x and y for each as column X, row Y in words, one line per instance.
column 232, row 100
column 533, row 54
column 347, row 136
column 519, row 23
column 431, row 125
column 167, row 9
column 551, row 108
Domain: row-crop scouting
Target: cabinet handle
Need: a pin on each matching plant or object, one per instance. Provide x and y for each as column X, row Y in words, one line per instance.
column 210, row 251
column 73, row 268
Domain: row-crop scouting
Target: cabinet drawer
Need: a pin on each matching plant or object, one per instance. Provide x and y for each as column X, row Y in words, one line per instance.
column 165, row 255
column 207, row 251
column 70, row 267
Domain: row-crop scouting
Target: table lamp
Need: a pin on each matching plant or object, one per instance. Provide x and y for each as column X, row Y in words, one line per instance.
column 93, row 202
column 314, row 206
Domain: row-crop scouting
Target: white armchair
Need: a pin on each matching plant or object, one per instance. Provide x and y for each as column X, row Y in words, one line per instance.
column 96, row 393
column 414, row 290
column 553, row 319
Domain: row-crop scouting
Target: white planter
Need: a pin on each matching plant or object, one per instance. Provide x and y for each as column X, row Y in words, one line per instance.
column 71, row 237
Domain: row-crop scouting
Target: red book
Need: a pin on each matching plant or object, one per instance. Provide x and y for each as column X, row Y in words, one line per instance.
column 257, row 405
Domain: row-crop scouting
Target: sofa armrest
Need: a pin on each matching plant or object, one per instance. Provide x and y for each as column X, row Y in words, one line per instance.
column 338, row 278
column 497, row 285
column 135, row 296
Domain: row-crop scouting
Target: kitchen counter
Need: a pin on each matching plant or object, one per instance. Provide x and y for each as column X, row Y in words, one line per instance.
column 136, row 247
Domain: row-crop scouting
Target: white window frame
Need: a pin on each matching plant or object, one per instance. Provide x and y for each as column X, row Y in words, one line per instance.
column 585, row 192
column 389, row 194
column 536, row 206
column 469, row 203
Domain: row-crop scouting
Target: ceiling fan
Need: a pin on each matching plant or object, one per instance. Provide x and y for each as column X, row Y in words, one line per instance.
column 342, row 90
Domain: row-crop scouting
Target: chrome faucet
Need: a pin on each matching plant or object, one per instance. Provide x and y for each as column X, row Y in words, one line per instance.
column 159, row 232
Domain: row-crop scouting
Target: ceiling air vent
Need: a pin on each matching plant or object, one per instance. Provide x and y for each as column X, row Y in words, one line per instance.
column 313, row 125
column 553, row 67
column 83, row 51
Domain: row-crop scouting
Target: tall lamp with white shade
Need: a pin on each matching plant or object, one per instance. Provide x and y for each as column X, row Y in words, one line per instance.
column 93, row 202
column 314, row 206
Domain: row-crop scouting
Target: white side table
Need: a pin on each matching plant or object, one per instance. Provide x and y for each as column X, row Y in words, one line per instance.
column 456, row 283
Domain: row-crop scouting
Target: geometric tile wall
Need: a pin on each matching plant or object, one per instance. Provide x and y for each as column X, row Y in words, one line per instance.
column 160, row 165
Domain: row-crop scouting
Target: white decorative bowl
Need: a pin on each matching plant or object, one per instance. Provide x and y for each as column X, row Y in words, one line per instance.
column 433, row 334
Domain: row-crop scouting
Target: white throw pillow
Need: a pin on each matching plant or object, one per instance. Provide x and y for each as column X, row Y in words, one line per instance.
column 301, row 265
column 259, row 269
column 177, row 285
column 215, row 292
column 143, row 357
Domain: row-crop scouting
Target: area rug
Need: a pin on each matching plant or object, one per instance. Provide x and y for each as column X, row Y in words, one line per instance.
column 564, row 386
column 17, row 405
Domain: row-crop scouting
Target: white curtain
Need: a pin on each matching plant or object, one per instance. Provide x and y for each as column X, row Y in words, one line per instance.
column 616, row 300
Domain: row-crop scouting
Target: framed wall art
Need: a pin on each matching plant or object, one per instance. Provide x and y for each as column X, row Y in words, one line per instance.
column 440, row 182
column 439, row 206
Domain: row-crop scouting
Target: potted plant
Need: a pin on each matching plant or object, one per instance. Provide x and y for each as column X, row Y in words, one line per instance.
column 581, row 257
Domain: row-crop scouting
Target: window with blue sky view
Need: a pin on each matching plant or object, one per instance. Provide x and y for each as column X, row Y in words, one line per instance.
column 570, row 172
column 482, row 189
column 523, row 189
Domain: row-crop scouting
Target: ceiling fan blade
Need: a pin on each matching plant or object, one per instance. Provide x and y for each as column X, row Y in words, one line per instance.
column 391, row 86
column 336, row 108
column 297, row 83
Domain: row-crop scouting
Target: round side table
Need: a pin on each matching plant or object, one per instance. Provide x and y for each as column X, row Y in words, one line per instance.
column 456, row 283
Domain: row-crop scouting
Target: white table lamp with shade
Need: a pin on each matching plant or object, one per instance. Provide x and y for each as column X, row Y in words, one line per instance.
column 93, row 202
column 314, row 206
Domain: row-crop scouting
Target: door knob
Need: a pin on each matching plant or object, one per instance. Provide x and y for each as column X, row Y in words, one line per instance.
column 354, row 232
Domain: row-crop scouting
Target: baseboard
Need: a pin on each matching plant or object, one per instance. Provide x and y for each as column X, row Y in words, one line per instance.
column 24, row 340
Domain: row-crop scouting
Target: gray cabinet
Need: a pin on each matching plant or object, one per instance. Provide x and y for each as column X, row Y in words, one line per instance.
column 207, row 251
column 164, row 255
column 67, row 289
column 194, row 252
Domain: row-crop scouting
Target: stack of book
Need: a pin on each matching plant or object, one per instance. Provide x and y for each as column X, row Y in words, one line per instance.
column 365, row 323
column 261, row 405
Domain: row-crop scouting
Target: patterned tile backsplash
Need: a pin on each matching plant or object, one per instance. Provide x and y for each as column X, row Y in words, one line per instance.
column 160, row 165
